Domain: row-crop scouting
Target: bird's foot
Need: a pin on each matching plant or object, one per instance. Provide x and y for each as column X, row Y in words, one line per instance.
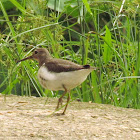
column 59, row 114
column 63, row 113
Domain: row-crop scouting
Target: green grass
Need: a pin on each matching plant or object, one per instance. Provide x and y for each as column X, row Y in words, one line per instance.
column 104, row 34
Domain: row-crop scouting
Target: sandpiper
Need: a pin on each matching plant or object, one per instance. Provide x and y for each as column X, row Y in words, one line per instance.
column 58, row 74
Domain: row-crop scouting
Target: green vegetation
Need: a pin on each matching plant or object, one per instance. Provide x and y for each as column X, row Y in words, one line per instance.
column 104, row 34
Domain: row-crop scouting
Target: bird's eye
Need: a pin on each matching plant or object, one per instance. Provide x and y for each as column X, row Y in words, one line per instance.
column 36, row 52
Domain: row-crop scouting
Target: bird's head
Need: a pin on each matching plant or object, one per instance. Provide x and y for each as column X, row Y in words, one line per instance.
column 38, row 54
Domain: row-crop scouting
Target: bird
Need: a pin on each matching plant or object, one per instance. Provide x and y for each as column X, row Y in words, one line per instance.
column 59, row 74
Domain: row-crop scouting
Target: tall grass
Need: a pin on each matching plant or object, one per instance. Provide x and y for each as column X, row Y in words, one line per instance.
column 102, row 34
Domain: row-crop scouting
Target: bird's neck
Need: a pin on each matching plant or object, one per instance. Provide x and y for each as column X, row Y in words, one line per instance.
column 43, row 60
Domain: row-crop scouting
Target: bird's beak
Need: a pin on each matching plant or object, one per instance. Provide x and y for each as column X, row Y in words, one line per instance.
column 30, row 57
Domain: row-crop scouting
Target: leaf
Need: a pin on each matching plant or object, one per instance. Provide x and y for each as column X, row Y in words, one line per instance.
column 22, row 9
column 96, row 94
column 107, row 54
column 87, row 6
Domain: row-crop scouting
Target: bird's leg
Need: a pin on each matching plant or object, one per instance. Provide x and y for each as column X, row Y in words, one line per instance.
column 68, row 99
column 60, row 99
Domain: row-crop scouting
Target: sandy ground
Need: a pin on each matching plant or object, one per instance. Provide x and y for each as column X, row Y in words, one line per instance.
column 28, row 118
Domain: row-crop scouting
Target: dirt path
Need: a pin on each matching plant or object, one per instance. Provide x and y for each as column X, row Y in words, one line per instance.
column 26, row 118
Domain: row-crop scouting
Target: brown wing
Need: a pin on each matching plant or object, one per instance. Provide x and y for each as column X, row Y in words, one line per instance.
column 60, row 65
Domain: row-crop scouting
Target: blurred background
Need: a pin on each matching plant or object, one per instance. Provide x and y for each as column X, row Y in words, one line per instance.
column 104, row 34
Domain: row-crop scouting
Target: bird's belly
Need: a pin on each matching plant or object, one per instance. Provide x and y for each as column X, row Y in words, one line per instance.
column 57, row 81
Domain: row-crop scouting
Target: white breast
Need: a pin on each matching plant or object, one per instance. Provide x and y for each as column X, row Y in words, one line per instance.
column 55, row 81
